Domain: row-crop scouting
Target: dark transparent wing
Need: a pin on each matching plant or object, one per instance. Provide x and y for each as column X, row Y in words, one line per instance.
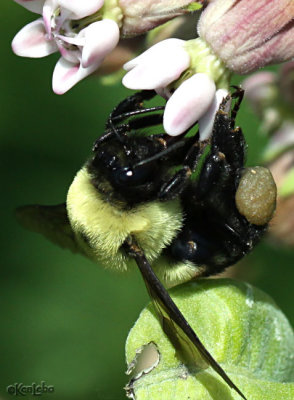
column 51, row 221
column 174, row 324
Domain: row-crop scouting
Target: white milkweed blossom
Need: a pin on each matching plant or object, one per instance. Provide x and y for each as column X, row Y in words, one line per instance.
column 86, row 31
column 196, row 97
column 61, row 29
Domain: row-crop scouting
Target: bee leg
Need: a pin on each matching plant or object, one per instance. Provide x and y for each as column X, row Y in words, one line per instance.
column 132, row 124
column 131, row 103
column 176, row 185
column 238, row 94
column 145, row 122
column 210, row 175
column 179, row 180
column 130, row 107
column 228, row 140
column 220, row 173
column 133, row 113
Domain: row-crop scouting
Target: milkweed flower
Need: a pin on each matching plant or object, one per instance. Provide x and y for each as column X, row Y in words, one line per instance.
column 86, row 31
column 235, row 37
column 82, row 46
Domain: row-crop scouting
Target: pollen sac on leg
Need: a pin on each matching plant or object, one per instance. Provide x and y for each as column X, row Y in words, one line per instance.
column 256, row 195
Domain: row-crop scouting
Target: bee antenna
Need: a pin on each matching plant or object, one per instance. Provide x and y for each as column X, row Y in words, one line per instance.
column 164, row 152
column 114, row 130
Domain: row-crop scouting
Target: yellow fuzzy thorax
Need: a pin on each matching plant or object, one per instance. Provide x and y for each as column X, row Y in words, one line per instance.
column 102, row 228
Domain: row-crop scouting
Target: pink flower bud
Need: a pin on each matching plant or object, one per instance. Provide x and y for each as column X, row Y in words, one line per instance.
column 143, row 15
column 249, row 34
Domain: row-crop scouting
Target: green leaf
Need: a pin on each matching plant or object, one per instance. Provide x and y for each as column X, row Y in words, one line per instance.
column 239, row 325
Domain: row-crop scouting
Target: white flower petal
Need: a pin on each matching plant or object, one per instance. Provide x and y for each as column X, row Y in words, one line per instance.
column 206, row 122
column 32, row 5
column 72, row 56
column 100, row 39
column 76, row 40
column 31, row 41
column 81, row 8
column 47, row 12
column 188, row 103
column 66, row 75
column 164, row 92
column 154, row 52
column 158, row 69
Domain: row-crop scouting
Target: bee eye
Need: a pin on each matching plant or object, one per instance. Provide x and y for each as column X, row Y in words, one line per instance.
column 133, row 176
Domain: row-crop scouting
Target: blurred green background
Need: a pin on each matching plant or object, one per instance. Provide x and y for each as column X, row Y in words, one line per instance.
column 64, row 320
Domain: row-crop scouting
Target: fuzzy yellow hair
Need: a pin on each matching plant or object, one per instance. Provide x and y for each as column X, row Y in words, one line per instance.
column 102, row 228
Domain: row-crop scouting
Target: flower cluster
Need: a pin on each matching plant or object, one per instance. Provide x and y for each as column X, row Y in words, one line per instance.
column 64, row 28
column 85, row 32
column 234, row 37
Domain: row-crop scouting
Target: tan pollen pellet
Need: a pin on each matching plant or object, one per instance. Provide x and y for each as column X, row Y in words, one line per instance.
column 256, row 195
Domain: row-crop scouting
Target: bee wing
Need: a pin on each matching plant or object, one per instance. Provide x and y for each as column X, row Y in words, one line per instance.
column 50, row 221
column 174, row 324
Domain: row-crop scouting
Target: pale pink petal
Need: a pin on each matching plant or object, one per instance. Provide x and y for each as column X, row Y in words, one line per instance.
column 47, row 12
column 66, row 75
column 32, row 5
column 100, row 39
column 77, row 40
column 164, row 92
column 81, row 8
column 72, row 56
column 154, row 51
column 158, row 69
column 188, row 103
column 31, row 41
column 206, row 122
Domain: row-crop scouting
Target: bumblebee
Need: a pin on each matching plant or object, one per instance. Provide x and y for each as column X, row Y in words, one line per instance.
column 187, row 207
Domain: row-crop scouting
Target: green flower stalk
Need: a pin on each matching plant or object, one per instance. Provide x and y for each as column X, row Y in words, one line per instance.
column 240, row 325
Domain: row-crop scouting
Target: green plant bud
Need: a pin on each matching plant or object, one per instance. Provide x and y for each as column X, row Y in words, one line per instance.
column 240, row 326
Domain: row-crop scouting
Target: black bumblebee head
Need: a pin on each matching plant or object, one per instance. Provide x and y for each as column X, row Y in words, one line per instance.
column 122, row 169
column 129, row 164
